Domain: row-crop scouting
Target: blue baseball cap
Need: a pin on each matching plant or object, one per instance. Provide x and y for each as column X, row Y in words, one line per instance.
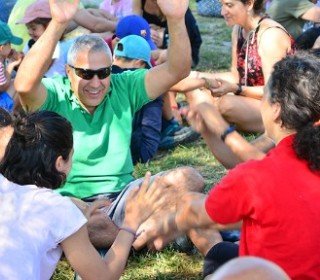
column 134, row 47
column 135, row 25
column 6, row 35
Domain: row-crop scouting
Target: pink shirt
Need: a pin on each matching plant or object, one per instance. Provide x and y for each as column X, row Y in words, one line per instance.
column 117, row 8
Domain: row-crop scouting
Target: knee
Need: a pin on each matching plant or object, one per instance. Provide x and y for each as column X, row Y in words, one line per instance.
column 188, row 179
column 226, row 106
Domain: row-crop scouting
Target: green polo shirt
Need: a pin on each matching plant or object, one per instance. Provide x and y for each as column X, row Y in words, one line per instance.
column 288, row 13
column 102, row 159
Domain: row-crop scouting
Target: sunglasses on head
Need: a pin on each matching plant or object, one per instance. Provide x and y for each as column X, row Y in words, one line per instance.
column 88, row 74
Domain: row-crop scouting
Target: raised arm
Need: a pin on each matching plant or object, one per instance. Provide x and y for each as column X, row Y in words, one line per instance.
column 160, row 78
column 28, row 80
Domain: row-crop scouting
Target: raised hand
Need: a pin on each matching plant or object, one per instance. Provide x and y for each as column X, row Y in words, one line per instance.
column 173, row 9
column 195, row 119
column 63, row 11
column 205, row 117
column 144, row 201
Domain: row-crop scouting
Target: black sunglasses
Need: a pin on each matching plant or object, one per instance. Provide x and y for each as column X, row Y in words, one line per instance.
column 88, row 74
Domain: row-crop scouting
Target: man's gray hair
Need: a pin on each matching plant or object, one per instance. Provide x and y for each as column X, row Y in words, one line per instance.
column 90, row 42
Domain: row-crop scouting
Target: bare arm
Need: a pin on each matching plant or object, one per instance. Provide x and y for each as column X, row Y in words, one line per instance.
column 160, row 78
column 31, row 92
column 85, row 260
column 94, row 22
column 207, row 120
column 312, row 14
column 136, row 7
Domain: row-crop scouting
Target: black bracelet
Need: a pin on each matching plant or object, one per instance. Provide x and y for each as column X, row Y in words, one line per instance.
column 239, row 90
column 230, row 129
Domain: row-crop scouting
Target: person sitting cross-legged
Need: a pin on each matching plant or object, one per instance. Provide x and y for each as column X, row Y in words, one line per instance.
column 100, row 107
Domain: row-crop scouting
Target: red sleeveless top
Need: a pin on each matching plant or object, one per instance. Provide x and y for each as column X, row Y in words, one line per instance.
column 247, row 54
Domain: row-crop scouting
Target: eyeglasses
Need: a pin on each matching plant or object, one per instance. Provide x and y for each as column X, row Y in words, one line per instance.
column 88, row 74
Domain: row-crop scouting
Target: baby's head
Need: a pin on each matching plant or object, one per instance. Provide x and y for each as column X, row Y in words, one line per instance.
column 37, row 18
column 6, row 39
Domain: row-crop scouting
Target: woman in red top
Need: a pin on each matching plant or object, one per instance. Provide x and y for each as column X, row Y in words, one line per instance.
column 257, row 43
column 276, row 196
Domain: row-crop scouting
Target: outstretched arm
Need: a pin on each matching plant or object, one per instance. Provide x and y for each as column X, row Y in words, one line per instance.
column 206, row 119
column 85, row 260
column 160, row 78
column 28, row 80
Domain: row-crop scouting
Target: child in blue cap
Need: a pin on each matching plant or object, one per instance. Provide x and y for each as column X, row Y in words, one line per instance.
column 6, row 68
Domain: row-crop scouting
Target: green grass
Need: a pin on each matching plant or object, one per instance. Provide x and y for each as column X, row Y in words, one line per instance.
column 170, row 264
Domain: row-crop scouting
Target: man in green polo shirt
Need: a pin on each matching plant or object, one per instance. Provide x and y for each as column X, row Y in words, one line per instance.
column 293, row 14
column 101, row 107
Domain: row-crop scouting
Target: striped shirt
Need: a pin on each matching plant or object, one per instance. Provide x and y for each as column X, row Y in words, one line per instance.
column 3, row 77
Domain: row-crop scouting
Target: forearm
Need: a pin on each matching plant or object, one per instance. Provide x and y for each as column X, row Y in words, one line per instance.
column 191, row 213
column 38, row 59
column 188, row 84
column 118, row 254
column 228, row 76
column 252, row 92
column 179, row 51
column 234, row 149
column 93, row 22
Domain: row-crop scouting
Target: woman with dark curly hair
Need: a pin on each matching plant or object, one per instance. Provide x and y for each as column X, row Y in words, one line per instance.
column 36, row 224
column 277, row 197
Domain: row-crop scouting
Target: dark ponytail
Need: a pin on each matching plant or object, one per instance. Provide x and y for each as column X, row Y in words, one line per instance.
column 295, row 85
column 37, row 141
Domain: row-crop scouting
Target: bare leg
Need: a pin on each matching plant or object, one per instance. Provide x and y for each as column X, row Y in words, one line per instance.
column 242, row 111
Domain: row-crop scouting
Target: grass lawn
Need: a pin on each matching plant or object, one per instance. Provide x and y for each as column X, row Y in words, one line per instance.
column 171, row 264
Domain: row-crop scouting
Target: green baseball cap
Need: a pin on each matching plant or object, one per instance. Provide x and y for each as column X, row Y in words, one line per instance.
column 6, row 35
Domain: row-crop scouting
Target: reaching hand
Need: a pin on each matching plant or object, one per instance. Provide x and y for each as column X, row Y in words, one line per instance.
column 206, row 117
column 223, row 87
column 195, row 119
column 173, row 9
column 144, row 201
column 63, row 11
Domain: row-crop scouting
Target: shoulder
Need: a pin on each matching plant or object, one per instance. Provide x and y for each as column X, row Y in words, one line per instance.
column 273, row 33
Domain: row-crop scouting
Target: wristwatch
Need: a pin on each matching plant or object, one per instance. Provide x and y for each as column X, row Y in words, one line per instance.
column 239, row 90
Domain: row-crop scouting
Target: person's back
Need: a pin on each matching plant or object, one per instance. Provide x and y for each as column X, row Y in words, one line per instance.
column 288, row 211
column 33, row 222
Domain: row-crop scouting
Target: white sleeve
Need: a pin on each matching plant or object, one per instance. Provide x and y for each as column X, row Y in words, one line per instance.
column 63, row 215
